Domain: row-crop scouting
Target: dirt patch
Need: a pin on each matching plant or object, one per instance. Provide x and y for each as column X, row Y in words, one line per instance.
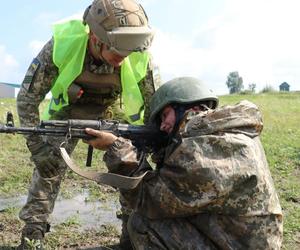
column 61, row 237
column 75, row 223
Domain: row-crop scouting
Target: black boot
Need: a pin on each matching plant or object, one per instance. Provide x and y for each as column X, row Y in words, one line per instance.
column 125, row 243
column 33, row 235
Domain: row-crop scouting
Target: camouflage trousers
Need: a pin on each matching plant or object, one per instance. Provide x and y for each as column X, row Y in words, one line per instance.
column 44, row 191
column 205, row 231
column 165, row 234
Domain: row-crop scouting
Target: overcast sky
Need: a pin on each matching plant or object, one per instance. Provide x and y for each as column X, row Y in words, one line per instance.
column 207, row 39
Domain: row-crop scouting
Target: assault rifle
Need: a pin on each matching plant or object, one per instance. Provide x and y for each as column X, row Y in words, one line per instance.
column 145, row 138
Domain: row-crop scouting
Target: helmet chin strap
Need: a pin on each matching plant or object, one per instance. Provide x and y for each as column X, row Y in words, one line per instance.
column 179, row 114
column 100, row 48
column 97, row 48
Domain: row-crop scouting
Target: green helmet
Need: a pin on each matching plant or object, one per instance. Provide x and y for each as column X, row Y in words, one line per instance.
column 121, row 24
column 182, row 90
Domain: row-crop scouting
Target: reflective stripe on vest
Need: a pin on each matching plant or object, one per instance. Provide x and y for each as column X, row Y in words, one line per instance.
column 133, row 70
column 70, row 43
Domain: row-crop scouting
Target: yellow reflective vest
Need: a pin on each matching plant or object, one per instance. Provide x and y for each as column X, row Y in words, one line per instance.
column 70, row 43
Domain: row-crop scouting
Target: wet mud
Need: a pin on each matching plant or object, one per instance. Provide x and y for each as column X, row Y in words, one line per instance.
column 89, row 214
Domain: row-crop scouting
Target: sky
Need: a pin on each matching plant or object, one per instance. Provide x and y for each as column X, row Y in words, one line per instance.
column 205, row 39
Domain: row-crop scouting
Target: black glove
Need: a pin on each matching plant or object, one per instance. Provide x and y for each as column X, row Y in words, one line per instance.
column 43, row 155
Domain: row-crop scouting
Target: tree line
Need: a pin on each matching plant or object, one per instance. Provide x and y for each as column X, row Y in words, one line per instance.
column 235, row 85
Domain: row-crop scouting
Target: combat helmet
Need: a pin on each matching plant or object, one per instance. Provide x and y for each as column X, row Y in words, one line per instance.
column 120, row 24
column 183, row 91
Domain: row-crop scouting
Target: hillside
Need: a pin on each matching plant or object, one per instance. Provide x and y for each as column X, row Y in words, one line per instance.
column 280, row 137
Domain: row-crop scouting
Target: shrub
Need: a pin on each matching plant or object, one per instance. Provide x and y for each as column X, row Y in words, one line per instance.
column 267, row 89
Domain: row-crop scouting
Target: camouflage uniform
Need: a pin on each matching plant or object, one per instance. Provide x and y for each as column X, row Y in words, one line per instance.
column 37, row 83
column 212, row 188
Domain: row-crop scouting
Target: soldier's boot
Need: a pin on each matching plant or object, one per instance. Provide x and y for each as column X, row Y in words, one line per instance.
column 125, row 243
column 33, row 235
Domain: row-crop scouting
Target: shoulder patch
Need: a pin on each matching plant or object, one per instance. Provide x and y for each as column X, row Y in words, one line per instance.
column 156, row 77
column 30, row 75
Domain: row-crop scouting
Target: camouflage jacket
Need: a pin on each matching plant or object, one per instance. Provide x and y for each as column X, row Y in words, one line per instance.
column 215, row 173
column 39, row 79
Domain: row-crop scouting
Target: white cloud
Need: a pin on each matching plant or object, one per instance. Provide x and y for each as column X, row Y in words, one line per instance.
column 8, row 65
column 147, row 2
column 46, row 18
column 35, row 46
column 257, row 38
column 176, row 56
column 78, row 15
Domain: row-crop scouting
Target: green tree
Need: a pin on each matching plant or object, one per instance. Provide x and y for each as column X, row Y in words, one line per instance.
column 234, row 82
column 252, row 87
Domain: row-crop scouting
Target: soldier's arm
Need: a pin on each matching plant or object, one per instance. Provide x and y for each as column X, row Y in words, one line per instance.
column 121, row 157
column 190, row 181
column 36, row 84
column 147, row 88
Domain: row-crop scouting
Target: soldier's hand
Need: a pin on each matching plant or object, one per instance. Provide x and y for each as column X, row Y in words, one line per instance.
column 103, row 139
column 43, row 155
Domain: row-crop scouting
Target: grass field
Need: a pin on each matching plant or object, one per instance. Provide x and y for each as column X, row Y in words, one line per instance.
column 280, row 137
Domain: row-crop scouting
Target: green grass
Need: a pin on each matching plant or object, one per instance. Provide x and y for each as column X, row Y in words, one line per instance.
column 73, row 220
column 16, row 167
column 280, row 137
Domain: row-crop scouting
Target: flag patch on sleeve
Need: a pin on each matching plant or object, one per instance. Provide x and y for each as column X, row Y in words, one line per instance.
column 30, row 75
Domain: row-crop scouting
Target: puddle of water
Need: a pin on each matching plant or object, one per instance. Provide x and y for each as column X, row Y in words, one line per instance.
column 89, row 214
column 6, row 203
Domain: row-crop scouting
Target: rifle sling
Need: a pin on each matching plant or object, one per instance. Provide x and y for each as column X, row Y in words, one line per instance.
column 114, row 180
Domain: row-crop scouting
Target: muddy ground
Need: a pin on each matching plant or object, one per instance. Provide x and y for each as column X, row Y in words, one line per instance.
column 76, row 223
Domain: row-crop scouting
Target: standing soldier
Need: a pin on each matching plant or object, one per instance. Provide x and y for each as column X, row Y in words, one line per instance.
column 87, row 65
column 211, row 188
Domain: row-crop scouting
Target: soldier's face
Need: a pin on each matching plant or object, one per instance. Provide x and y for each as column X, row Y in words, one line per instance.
column 168, row 119
column 112, row 58
column 101, row 51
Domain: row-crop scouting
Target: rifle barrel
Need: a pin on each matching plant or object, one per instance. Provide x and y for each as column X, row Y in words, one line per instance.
column 32, row 130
